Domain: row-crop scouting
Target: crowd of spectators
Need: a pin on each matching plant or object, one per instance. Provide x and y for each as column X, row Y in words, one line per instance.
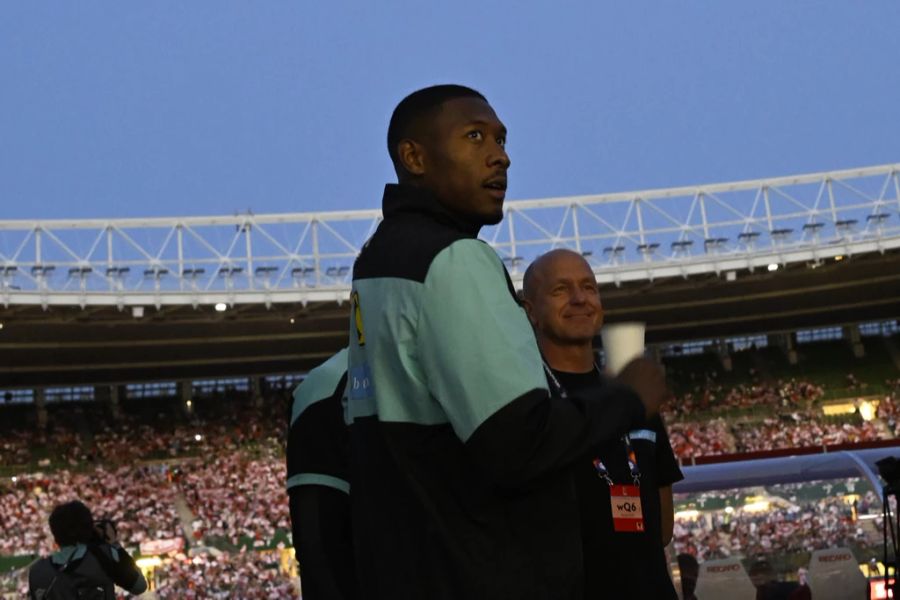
column 785, row 419
column 826, row 523
column 138, row 499
column 14, row 584
column 15, row 447
column 889, row 407
column 226, row 464
column 796, row 430
column 800, row 431
column 130, row 438
column 690, row 440
column 237, row 497
column 245, row 575
column 788, row 421
column 712, row 397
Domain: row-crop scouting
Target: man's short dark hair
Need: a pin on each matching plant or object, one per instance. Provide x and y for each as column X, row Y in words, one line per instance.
column 406, row 121
column 72, row 523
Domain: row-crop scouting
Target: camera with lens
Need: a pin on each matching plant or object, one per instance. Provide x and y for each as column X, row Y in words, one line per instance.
column 104, row 531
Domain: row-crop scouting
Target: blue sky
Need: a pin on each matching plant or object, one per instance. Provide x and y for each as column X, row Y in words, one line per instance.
column 164, row 108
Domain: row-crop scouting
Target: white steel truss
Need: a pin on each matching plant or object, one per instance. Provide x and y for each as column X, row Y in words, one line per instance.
column 309, row 256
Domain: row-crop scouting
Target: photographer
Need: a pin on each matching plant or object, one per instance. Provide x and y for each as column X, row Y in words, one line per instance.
column 89, row 563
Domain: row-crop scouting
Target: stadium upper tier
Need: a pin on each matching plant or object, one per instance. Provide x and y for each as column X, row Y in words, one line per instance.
column 308, row 257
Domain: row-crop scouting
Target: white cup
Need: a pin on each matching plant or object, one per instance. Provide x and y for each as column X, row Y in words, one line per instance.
column 622, row 342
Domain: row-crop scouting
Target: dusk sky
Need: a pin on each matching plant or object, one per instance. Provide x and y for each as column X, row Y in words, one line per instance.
column 164, row 108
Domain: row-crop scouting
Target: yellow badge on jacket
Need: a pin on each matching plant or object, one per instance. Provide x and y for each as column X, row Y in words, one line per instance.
column 357, row 317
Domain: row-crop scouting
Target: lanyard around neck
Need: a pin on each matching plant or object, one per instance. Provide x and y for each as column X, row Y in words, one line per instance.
column 601, row 469
column 560, row 390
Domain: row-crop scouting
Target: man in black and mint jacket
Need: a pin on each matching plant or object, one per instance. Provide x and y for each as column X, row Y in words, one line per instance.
column 460, row 457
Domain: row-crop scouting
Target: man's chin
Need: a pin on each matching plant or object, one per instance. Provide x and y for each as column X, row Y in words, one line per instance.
column 493, row 218
column 573, row 338
column 493, row 214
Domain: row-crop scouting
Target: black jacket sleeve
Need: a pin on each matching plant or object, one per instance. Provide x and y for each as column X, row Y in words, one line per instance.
column 320, row 517
column 536, row 433
column 120, row 567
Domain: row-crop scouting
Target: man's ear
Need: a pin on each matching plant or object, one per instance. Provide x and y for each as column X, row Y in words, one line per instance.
column 529, row 310
column 412, row 157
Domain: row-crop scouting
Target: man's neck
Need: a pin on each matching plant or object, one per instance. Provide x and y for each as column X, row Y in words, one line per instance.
column 414, row 196
column 568, row 358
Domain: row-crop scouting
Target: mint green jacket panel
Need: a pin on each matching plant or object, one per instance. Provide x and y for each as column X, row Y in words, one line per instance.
column 476, row 348
column 319, row 384
column 386, row 376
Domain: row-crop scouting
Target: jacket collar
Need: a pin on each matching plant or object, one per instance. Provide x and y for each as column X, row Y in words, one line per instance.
column 67, row 553
column 400, row 199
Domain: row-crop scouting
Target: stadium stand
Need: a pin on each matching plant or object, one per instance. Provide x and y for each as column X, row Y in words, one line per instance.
column 132, row 392
column 783, row 529
column 725, row 578
column 247, row 575
column 213, row 475
column 237, row 498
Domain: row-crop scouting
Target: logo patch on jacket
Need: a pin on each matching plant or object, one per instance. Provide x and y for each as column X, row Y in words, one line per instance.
column 357, row 318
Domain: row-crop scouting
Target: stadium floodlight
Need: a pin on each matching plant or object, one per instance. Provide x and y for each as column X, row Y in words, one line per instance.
column 137, row 312
column 1, row 324
column 198, row 437
column 221, row 307
column 773, row 267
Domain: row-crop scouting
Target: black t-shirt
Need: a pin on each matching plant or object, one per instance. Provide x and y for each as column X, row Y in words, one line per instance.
column 618, row 564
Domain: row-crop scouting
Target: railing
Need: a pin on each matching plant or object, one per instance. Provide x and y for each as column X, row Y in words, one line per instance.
column 308, row 256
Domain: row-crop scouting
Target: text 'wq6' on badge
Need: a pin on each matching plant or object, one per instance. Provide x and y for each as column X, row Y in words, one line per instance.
column 627, row 514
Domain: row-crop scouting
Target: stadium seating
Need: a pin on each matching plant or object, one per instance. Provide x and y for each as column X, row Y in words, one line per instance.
column 725, row 578
column 215, row 474
column 834, row 575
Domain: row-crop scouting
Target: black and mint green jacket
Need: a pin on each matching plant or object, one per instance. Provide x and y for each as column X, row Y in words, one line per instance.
column 318, row 483
column 460, row 457
column 317, row 447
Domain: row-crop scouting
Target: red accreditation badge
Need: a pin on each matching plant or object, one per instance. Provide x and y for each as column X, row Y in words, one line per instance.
column 626, row 508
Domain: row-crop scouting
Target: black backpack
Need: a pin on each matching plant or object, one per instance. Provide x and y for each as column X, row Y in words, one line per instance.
column 68, row 584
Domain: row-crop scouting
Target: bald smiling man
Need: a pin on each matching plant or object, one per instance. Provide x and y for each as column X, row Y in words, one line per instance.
column 624, row 486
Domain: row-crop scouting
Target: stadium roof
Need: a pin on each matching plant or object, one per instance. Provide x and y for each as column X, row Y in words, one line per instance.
column 99, row 301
